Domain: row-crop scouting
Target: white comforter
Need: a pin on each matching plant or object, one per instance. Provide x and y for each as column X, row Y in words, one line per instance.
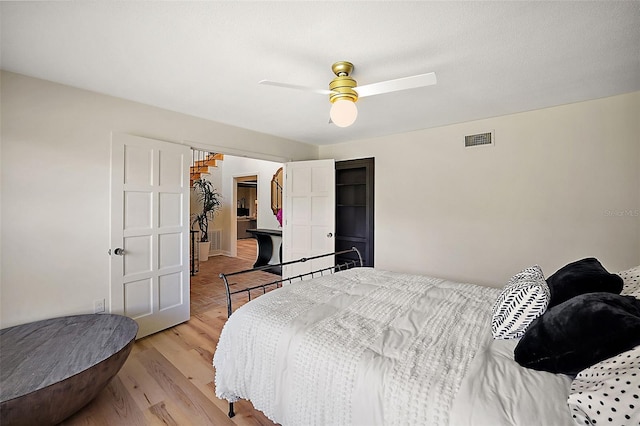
column 361, row 347
column 498, row 392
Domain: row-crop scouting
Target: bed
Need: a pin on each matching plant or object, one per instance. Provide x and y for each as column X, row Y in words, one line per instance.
column 373, row 347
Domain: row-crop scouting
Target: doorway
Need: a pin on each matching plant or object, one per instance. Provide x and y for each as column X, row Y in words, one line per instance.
column 238, row 178
column 246, row 202
column 355, row 207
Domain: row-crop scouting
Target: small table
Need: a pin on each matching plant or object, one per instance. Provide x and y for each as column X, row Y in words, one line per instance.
column 269, row 248
column 52, row 368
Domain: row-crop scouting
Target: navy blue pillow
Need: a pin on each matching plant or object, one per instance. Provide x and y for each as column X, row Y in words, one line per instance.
column 580, row 277
column 580, row 332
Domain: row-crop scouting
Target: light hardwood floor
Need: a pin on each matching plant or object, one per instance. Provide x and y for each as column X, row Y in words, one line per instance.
column 168, row 379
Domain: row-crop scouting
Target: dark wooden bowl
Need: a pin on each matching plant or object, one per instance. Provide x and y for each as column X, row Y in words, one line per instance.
column 52, row 368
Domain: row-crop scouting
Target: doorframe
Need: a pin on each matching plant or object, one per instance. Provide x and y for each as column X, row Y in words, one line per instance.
column 234, row 210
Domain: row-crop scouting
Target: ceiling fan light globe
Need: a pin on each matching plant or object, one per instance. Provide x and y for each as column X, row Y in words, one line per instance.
column 343, row 113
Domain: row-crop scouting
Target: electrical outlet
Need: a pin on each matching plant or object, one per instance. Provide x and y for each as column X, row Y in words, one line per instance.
column 98, row 306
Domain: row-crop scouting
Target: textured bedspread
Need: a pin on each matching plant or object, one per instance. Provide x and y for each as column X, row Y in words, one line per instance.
column 360, row 347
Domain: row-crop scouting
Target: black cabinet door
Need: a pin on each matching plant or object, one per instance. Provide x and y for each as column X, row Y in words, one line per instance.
column 354, row 207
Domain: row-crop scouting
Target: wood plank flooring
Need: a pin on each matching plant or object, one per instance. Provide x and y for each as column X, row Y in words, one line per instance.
column 168, row 379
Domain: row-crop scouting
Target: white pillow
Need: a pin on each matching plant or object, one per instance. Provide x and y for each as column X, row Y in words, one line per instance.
column 631, row 279
column 524, row 298
column 608, row 392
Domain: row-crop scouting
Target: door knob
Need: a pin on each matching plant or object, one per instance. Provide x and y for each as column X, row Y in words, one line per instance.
column 119, row 252
column 329, row 235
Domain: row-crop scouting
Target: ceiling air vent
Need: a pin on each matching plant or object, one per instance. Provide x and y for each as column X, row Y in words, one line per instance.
column 479, row 139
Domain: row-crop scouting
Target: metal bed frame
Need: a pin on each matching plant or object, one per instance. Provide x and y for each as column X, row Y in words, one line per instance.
column 339, row 266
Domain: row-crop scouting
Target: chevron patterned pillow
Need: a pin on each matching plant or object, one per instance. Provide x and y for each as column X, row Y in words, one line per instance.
column 524, row 298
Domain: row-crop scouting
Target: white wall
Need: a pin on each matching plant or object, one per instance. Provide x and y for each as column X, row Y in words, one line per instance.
column 560, row 184
column 55, row 187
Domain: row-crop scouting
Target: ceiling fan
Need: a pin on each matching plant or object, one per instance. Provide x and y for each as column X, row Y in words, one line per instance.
column 344, row 90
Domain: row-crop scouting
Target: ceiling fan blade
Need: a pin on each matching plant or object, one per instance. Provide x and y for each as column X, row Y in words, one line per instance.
column 404, row 83
column 295, row 86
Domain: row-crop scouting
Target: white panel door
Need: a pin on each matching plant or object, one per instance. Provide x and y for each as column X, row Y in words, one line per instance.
column 150, row 227
column 309, row 214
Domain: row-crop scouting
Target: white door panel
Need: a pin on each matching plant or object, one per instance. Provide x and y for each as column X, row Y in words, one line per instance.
column 138, row 298
column 138, row 258
column 309, row 213
column 170, row 291
column 150, row 221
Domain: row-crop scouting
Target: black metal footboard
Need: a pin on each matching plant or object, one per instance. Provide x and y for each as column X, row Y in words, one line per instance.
column 341, row 266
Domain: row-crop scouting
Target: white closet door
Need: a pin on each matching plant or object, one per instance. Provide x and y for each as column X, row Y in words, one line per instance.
column 309, row 213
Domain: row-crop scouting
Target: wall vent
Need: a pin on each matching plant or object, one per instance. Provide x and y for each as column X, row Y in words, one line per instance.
column 479, row 139
column 215, row 241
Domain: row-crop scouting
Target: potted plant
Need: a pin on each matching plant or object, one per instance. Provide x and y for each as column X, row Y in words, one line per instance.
column 211, row 203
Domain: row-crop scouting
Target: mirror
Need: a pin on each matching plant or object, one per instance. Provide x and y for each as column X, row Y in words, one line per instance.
column 276, row 191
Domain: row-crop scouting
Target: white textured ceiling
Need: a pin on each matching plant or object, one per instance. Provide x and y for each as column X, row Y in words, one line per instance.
column 206, row 58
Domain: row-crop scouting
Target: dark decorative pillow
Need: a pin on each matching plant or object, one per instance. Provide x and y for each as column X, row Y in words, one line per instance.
column 580, row 277
column 580, row 332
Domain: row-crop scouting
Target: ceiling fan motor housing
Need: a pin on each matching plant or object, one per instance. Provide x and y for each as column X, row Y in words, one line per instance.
column 342, row 87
